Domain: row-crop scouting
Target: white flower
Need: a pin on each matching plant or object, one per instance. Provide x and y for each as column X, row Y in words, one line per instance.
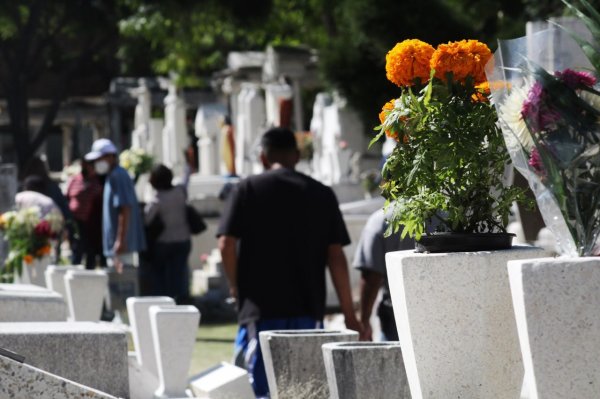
column 510, row 113
column 56, row 221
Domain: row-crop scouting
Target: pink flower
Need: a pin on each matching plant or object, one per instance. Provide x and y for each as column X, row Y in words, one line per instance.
column 575, row 79
column 536, row 111
column 535, row 161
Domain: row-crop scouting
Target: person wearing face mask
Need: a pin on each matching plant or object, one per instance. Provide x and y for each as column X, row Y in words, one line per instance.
column 122, row 227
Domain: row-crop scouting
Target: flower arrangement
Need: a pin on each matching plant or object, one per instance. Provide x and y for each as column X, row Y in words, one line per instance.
column 136, row 161
column 449, row 160
column 29, row 237
column 551, row 123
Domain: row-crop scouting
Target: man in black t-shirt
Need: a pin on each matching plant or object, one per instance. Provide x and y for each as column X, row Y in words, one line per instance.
column 279, row 231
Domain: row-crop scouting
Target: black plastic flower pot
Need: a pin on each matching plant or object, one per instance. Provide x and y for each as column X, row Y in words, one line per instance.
column 459, row 242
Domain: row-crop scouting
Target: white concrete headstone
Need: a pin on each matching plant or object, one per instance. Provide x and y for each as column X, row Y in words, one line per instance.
column 224, row 381
column 34, row 272
column 138, row 309
column 174, row 331
column 55, row 279
column 85, row 293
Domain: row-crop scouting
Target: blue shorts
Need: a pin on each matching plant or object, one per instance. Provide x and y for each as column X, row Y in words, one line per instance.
column 247, row 349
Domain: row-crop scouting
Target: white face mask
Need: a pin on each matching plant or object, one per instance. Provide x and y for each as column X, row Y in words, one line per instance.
column 101, row 167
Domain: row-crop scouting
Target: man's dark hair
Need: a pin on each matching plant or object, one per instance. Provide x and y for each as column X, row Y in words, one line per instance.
column 161, row 177
column 35, row 183
column 278, row 140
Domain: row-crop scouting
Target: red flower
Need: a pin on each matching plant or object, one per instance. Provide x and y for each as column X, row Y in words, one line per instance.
column 43, row 229
column 575, row 79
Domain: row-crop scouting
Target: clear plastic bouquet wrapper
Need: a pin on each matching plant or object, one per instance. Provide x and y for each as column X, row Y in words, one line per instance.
column 545, row 89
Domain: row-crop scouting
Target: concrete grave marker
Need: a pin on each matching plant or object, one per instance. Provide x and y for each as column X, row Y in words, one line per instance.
column 174, row 331
column 86, row 290
column 224, row 381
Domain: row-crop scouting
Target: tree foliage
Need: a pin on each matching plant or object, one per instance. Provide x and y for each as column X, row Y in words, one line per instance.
column 52, row 42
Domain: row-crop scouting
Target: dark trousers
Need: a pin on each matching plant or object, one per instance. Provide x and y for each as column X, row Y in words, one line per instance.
column 169, row 274
column 82, row 248
column 388, row 322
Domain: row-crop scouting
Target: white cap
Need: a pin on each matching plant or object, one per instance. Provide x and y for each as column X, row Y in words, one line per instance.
column 100, row 148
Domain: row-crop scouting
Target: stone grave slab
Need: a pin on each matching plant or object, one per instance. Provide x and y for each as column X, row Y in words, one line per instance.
column 92, row 354
column 27, row 302
column 23, row 381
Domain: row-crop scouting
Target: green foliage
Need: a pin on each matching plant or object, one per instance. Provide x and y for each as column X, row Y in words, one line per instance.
column 191, row 39
column 448, row 163
column 591, row 18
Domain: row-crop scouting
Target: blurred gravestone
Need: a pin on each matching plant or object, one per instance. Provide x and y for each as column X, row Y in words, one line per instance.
column 8, row 190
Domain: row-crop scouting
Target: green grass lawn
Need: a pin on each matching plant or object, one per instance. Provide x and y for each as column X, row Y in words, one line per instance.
column 214, row 344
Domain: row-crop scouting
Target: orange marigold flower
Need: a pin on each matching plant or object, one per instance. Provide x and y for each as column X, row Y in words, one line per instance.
column 28, row 259
column 385, row 110
column 387, row 107
column 408, row 61
column 463, row 58
column 45, row 250
column 482, row 92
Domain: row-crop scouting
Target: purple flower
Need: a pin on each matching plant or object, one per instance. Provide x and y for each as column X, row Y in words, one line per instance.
column 535, row 110
column 535, row 161
column 576, row 79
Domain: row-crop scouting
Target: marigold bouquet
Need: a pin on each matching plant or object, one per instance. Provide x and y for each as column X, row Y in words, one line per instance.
column 136, row 161
column 549, row 109
column 449, row 160
column 29, row 237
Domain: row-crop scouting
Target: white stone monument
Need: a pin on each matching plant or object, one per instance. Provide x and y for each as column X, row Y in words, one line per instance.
column 224, row 381
column 140, row 137
column 138, row 309
column 456, row 325
column 33, row 273
column 556, row 302
column 340, row 136
column 251, row 117
column 317, row 124
column 208, row 130
column 55, row 277
column 155, row 147
column 86, row 290
column 274, row 94
column 174, row 331
column 175, row 137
